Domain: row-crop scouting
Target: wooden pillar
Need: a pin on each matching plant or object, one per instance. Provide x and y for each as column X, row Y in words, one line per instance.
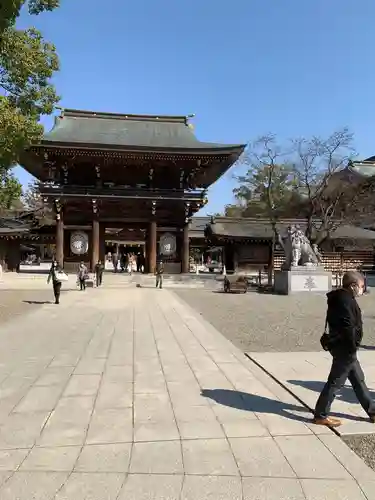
column 95, row 243
column 235, row 258
column 185, row 249
column 152, row 247
column 102, row 242
column 60, row 239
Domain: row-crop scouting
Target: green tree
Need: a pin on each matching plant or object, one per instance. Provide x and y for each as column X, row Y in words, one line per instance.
column 234, row 210
column 268, row 187
column 266, row 190
column 10, row 190
column 27, row 63
column 10, row 10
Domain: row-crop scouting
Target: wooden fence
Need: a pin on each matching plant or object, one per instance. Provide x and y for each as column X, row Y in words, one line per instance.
column 339, row 262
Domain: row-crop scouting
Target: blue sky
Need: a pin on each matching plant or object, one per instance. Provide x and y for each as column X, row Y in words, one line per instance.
column 244, row 67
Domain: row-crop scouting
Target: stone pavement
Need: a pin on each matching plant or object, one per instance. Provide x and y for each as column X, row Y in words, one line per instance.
column 37, row 281
column 130, row 394
column 305, row 373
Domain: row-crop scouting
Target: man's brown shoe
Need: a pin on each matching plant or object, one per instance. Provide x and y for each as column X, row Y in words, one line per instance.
column 328, row 422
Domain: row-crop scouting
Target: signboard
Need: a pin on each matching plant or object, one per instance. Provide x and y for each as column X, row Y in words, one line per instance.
column 309, row 283
column 79, row 243
column 167, row 244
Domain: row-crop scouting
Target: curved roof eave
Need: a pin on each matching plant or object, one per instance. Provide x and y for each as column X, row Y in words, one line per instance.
column 364, row 168
column 205, row 148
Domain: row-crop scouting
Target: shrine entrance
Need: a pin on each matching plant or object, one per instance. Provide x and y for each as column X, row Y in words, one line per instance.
column 130, row 251
column 127, row 179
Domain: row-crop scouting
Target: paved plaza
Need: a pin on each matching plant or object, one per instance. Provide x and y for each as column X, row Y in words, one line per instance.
column 305, row 373
column 14, row 303
column 131, row 394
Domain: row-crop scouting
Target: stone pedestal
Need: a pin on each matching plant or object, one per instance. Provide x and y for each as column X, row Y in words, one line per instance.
column 302, row 279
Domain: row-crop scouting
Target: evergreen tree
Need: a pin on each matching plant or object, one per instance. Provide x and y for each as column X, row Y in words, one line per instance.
column 27, row 63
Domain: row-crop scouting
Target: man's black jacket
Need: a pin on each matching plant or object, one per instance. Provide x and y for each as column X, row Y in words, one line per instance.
column 344, row 319
column 159, row 268
column 99, row 269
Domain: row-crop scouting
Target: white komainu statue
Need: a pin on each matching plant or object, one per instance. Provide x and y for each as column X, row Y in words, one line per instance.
column 297, row 249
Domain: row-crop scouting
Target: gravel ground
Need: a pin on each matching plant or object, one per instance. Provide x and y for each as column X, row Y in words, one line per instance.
column 265, row 323
column 364, row 446
column 14, row 303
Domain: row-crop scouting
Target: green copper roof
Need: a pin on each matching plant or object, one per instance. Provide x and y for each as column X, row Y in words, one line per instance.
column 108, row 130
column 259, row 228
column 364, row 168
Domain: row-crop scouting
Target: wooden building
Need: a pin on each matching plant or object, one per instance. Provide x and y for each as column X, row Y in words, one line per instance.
column 246, row 244
column 128, row 178
column 23, row 235
column 12, row 232
column 138, row 180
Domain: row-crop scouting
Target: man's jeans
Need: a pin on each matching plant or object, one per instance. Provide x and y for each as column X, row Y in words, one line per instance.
column 159, row 281
column 344, row 367
column 57, row 291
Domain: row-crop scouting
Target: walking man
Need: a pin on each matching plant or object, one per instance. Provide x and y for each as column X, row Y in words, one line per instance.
column 115, row 261
column 99, row 269
column 344, row 322
column 159, row 271
column 56, row 283
column 82, row 275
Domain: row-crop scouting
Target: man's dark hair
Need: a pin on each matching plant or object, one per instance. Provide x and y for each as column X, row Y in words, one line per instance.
column 351, row 278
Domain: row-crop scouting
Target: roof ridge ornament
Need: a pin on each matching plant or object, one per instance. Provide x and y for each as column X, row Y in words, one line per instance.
column 62, row 110
column 187, row 118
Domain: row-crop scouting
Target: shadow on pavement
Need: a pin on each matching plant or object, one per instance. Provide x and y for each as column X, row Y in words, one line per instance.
column 252, row 402
column 37, row 302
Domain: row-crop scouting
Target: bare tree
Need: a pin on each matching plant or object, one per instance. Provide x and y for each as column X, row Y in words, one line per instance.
column 330, row 196
column 305, row 178
column 268, row 184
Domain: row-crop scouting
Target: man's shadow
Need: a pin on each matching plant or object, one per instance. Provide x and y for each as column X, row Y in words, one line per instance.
column 367, row 347
column 260, row 404
column 37, row 302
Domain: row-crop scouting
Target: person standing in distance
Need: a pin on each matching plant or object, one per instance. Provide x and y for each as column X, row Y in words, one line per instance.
column 344, row 336
column 159, row 271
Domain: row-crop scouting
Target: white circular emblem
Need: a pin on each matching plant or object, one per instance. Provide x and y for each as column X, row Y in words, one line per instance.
column 167, row 244
column 79, row 243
